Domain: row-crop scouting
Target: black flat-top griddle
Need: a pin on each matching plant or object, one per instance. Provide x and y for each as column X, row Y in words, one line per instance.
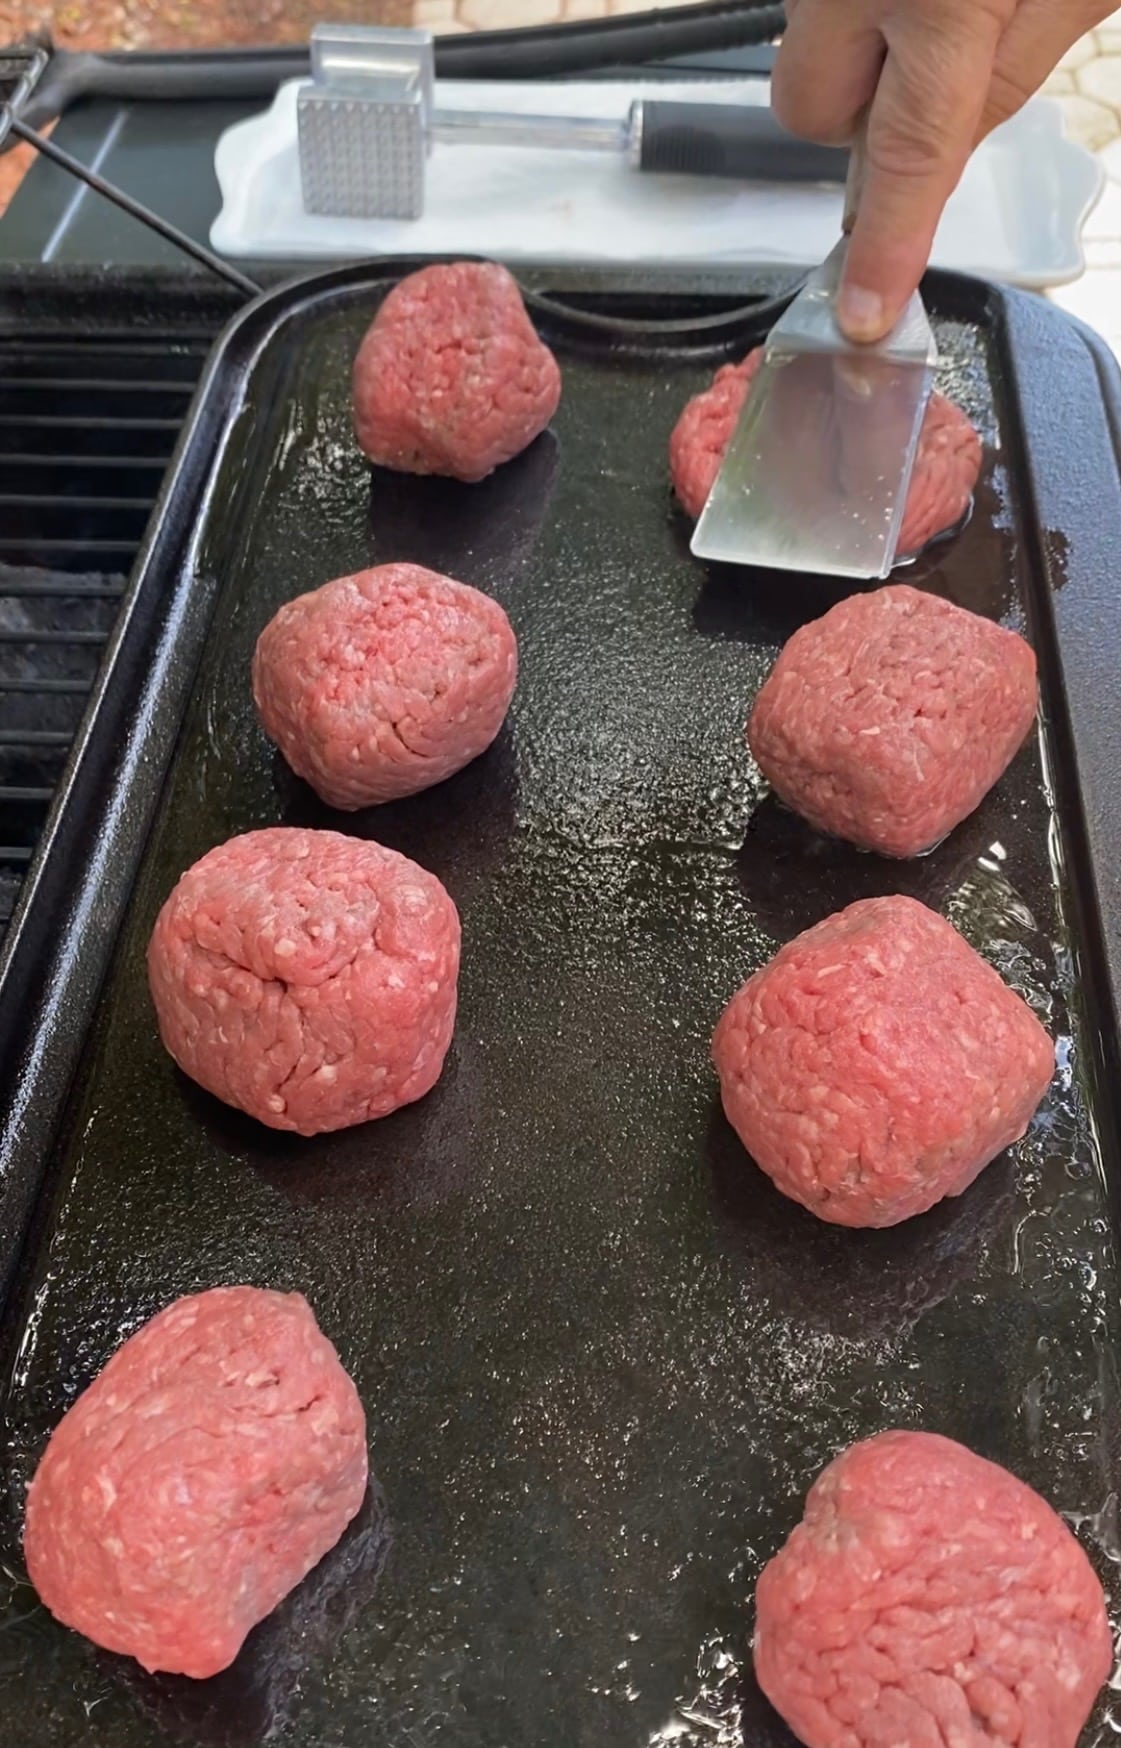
column 601, row 1358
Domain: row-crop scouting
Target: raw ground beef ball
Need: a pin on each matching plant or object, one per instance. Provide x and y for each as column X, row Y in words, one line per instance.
column 254, row 1701
column 929, row 1599
column 212, row 1464
column 889, row 720
column 945, row 472
column 381, row 684
column 307, row 978
column 452, row 377
column 878, row 1064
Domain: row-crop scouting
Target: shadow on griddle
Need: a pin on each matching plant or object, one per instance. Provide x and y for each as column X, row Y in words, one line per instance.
column 858, row 1285
column 793, row 876
column 976, row 568
column 477, row 533
column 760, row 1724
column 739, row 604
column 411, row 1162
column 973, row 565
column 254, row 1698
column 459, row 829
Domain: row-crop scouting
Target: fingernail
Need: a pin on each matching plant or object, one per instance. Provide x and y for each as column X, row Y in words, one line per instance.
column 860, row 312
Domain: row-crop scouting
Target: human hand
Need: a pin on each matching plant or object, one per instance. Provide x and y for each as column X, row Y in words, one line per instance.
column 938, row 76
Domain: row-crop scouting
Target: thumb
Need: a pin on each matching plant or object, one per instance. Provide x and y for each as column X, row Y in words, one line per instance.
column 921, row 128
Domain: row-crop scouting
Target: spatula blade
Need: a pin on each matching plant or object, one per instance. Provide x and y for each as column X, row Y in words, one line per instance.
column 816, row 475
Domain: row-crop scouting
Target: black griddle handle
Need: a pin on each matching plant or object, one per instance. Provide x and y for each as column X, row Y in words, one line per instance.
column 731, row 139
column 539, row 52
column 135, row 78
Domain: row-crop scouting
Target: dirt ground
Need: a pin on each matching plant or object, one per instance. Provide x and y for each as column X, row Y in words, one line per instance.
column 196, row 24
column 169, row 24
column 181, row 24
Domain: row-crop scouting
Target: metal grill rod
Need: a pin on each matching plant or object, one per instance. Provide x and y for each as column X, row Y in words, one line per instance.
column 135, row 208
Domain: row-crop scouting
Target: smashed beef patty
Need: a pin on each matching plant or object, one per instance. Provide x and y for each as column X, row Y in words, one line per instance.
column 877, row 1064
column 379, row 685
column 307, row 978
column 888, row 720
column 452, row 377
column 929, row 1598
column 945, row 472
column 216, row 1459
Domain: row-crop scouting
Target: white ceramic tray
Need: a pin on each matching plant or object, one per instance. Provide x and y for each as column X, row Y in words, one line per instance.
column 1017, row 216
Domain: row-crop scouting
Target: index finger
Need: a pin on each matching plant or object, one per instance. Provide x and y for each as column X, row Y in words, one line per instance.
column 921, row 128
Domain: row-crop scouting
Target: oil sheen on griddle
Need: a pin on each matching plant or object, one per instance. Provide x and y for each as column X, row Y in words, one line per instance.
column 601, row 1358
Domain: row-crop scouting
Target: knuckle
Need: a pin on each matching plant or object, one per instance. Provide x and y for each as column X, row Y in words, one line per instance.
column 804, row 109
column 788, row 95
column 922, row 129
column 956, row 20
column 817, row 108
column 809, row 123
column 912, row 147
column 1007, row 94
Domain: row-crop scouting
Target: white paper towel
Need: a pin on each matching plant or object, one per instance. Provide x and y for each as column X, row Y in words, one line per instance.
column 1017, row 215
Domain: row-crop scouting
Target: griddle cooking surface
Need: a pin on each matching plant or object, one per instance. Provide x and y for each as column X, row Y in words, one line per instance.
column 601, row 1358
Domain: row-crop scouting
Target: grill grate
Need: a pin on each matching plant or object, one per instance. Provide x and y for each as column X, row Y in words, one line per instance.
column 87, row 428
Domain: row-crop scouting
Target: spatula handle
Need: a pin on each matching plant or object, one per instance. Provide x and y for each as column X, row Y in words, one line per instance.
column 858, row 162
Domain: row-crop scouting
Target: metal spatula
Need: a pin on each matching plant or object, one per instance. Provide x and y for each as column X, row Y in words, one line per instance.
column 816, row 475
